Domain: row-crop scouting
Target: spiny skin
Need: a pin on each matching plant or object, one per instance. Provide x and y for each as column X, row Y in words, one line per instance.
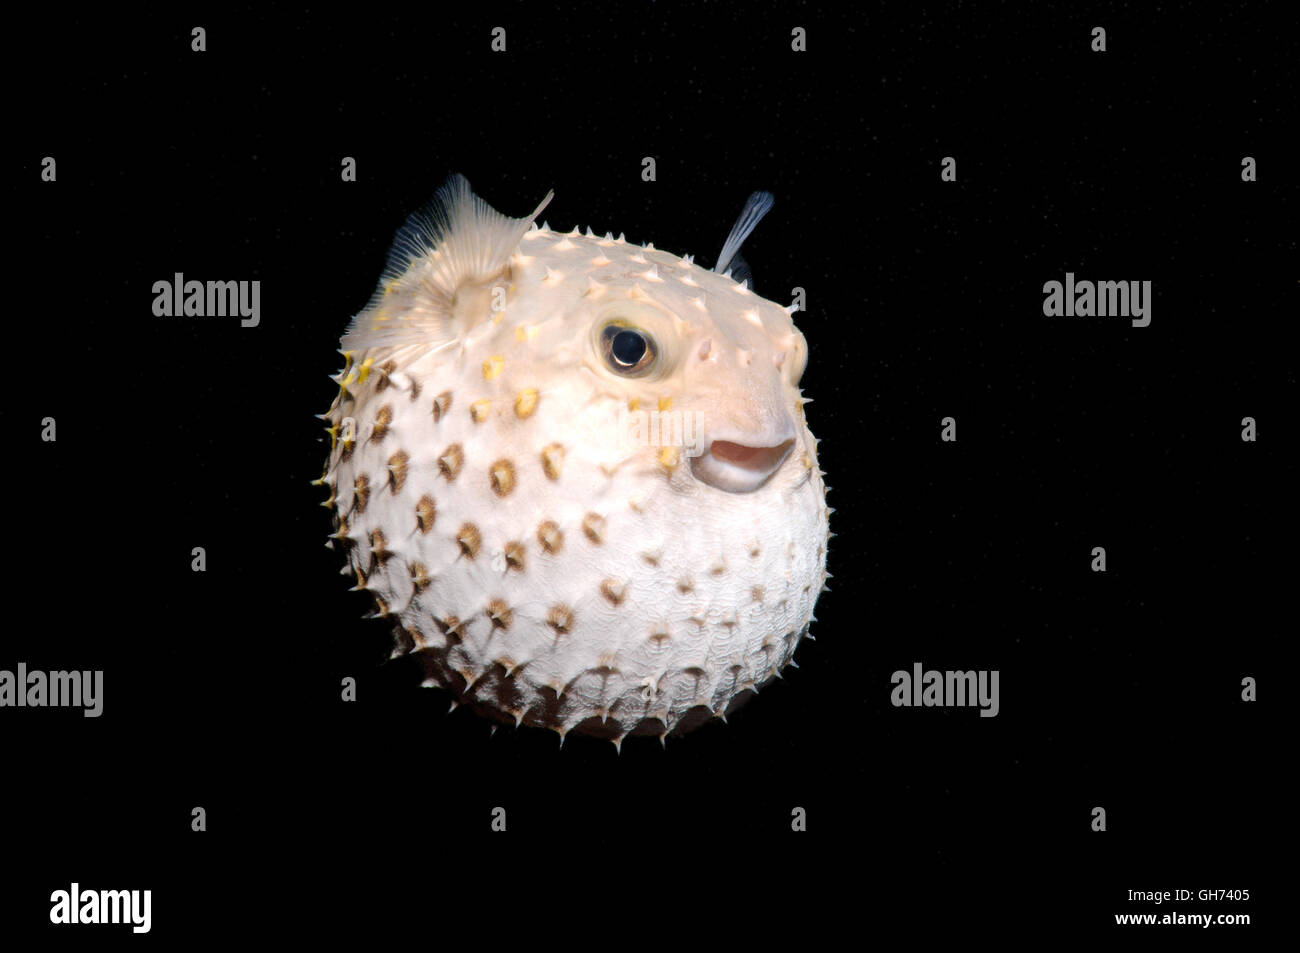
column 544, row 570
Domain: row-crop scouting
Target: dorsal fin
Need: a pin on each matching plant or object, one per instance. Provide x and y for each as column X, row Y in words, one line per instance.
column 756, row 206
column 456, row 240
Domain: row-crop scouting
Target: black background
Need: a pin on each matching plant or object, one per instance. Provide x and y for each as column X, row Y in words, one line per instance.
column 924, row 300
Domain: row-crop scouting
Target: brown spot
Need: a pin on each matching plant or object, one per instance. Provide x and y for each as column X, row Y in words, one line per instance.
column 441, row 404
column 379, row 551
column 425, row 513
column 507, row 663
column 383, row 420
column 719, row 569
column 553, row 460
column 754, row 551
column 469, row 539
column 550, row 536
column 420, row 577
column 384, row 370
column 418, row 639
column 451, row 627
column 381, row 607
column 560, row 618
column 757, row 593
column 500, row 614
column 515, row 556
column 360, row 493
column 502, row 476
column 684, row 585
column 614, row 591
column 397, row 470
column 479, row 410
column 349, row 444
column 593, row 525
column 450, row 462
column 652, row 557
column 415, row 389
column 659, row 636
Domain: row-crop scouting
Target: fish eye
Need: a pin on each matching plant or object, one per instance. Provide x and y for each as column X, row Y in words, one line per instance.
column 627, row 350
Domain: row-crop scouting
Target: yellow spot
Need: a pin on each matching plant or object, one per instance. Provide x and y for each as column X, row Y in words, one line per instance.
column 668, row 458
column 492, row 367
column 479, row 410
column 633, row 404
column 665, row 403
column 525, row 332
column 526, row 402
column 351, row 378
column 365, row 369
column 807, row 462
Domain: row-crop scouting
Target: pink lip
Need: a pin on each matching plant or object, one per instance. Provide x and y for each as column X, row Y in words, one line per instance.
column 738, row 468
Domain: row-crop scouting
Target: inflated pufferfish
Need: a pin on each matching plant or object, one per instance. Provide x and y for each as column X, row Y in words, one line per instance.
column 576, row 472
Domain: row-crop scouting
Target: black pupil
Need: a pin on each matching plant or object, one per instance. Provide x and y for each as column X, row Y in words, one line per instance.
column 628, row 347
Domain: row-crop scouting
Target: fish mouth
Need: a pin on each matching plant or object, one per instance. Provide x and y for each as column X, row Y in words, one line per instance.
column 737, row 467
